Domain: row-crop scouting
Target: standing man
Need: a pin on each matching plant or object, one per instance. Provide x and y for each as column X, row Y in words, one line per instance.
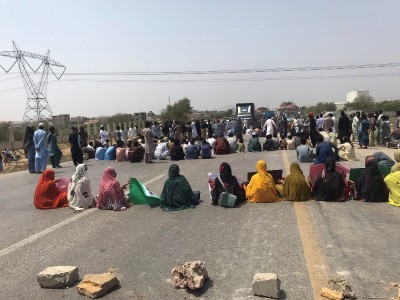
column 194, row 129
column 269, row 126
column 132, row 132
column 238, row 129
column 396, row 123
column 103, row 135
column 378, row 128
column 83, row 137
column 313, row 129
column 148, row 144
column 344, row 127
column 41, row 154
column 76, row 151
column 30, row 148
column 355, row 125
column 54, row 151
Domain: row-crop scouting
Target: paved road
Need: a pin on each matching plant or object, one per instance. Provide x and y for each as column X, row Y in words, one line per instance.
column 305, row 243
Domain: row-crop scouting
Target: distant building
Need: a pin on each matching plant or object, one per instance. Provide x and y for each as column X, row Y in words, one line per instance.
column 351, row 96
column 139, row 119
column 340, row 105
column 150, row 116
column 61, row 120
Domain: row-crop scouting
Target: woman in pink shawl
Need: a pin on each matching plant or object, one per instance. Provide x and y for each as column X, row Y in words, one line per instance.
column 111, row 194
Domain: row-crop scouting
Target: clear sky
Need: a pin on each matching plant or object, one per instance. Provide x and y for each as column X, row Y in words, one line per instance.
column 168, row 35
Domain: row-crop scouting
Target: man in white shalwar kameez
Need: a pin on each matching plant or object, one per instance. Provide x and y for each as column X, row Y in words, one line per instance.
column 41, row 152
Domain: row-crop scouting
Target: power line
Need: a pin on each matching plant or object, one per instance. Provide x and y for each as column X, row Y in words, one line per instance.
column 239, row 71
column 220, row 80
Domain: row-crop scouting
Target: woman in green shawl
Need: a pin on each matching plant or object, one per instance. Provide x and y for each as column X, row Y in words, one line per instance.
column 295, row 187
column 177, row 193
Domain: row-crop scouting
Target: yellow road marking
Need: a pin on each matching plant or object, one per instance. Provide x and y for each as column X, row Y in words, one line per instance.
column 313, row 255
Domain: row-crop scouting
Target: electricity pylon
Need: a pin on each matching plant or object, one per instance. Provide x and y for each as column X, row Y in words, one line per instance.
column 37, row 107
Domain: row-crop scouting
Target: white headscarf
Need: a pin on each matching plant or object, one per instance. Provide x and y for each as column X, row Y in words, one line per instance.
column 80, row 172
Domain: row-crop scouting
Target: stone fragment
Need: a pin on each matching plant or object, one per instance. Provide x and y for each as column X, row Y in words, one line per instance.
column 96, row 285
column 267, row 285
column 342, row 285
column 58, row 277
column 331, row 294
column 189, row 275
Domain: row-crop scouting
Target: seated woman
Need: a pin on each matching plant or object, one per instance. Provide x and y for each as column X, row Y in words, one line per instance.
column 295, row 187
column 111, row 194
column 222, row 146
column 392, row 182
column 261, row 187
column 370, row 185
column 176, row 151
column 177, row 193
column 230, row 182
column 79, row 191
column 136, row 152
column 330, row 184
column 396, row 167
column 383, row 160
column 47, row 195
column 346, row 150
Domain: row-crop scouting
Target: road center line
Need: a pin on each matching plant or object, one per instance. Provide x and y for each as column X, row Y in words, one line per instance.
column 46, row 231
column 313, row 255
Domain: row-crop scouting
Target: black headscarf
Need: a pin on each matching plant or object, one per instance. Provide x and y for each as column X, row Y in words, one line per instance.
column 330, row 168
column 371, row 167
column 370, row 185
column 225, row 172
column 173, row 171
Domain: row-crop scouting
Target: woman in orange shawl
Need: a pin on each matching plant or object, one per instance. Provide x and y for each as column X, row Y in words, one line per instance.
column 47, row 194
column 261, row 187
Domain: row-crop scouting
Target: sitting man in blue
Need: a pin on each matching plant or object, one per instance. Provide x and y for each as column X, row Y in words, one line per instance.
column 304, row 152
column 205, row 150
column 324, row 150
column 192, row 152
column 111, row 153
column 100, row 152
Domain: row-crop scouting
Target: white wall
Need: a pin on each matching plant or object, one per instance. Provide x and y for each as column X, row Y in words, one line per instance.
column 354, row 94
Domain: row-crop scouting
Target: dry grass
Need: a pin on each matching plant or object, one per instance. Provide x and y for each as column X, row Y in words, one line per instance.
column 22, row 165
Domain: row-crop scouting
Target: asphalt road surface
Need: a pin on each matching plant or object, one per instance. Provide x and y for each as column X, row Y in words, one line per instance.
column 304, row 243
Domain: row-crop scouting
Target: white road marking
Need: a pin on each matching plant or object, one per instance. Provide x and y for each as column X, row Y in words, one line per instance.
column 46, row 231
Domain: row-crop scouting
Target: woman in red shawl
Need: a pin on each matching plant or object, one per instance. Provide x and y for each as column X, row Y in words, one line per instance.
column 111, row 194
column 222, row 146
column 47, row 194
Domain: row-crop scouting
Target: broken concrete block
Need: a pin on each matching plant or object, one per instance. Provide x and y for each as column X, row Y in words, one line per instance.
column 96, row 285
column 342, row 285
column 267, row 285
column 189, row 275
column 58, row 277
column 331, row 294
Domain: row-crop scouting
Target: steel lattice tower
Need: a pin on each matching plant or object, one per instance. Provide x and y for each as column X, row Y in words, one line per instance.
column 37, row 107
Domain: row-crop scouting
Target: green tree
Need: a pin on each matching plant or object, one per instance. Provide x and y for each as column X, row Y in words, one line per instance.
column 179, row 111
column 120, row 118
